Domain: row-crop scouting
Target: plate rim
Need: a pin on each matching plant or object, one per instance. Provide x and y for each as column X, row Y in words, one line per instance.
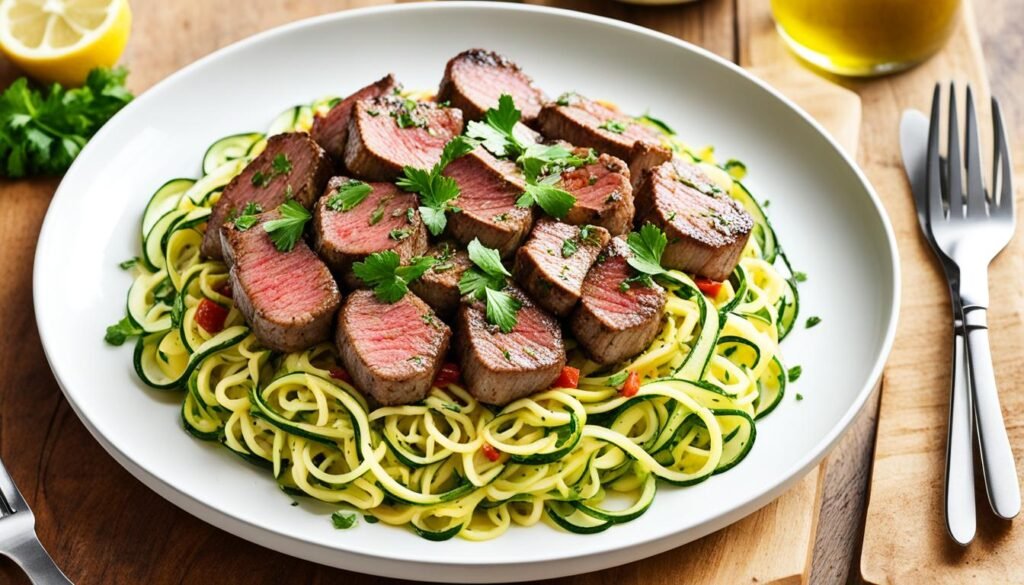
column 391, row 563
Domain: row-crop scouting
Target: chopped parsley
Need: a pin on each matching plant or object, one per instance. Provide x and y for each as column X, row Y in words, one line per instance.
column 800, row 276
column 278, row 167
column 568, row 98
column 436, row 191
column 399, row 234
column 613, row 126
column 370, row 519
column 119, row 332
column 286, row 230
column 407, row 116
column 348, row 195
column 799, row 396
column 812, row 321
column 248, row 217
column 378, row 212
column 343, row 520
column 383, row 272
column 569, row 247
column 485, row 282
column 794, row 373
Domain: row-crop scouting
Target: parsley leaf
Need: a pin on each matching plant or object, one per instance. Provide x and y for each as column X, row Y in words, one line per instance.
column 497, row 131
column 281, row 165
column 347, row 196
column 383, row 272
column 435, row 190
column 485, row 282
column 812, row 321
column 800, row 276
column 286, row 230
column 43, row 130
column 343, row 520
column 613, row 126
column 539, row 160
column 794, row 373
column 248, row 217
column 647, row 246
column 119, row 332
column 554, row 201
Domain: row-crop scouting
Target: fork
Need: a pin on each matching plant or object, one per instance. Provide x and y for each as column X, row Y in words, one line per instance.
column 18, row 539
column 971, row 228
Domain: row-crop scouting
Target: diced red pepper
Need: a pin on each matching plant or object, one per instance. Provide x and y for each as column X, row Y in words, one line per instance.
column 448, row 374
column 211, row 316
column 340, row 374
column 569, row 378
column 707, row 286
column 490, row 452
column 224, row 289
column 632, row 385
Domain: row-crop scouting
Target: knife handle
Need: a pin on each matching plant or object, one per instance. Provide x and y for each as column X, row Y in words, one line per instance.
column 961, row 514
column 996, row 456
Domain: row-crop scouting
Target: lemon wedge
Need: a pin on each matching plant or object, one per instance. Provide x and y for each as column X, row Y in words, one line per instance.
column 62, row 40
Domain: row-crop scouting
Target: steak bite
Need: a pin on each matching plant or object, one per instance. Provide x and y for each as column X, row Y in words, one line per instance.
column 604, row 195
column 291, row 166
column 706, row 228
column 386, row 220
column 330, row 130
column 552, row 264
column 501, row 367
column 489, row 188
column 388, row 132
column 392, row 351
column 585, row 122
column 475, row 79
column 439, row 285
column 616, row 321
column 288, row 298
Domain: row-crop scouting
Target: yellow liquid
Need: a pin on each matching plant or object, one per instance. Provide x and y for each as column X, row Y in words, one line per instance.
column 865, row 37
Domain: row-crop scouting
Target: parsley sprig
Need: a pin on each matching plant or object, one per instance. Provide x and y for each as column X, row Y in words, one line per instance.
column 287, row 229
column 485, row 282
column 348, row 195
column 42, row 131
column 248, row 216
column 436, row 191
column 383, row 272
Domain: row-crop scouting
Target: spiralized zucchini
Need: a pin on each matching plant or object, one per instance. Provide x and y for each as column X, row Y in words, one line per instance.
column 581, row 458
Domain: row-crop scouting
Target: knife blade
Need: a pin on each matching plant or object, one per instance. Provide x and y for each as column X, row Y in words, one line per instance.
column 960, row 510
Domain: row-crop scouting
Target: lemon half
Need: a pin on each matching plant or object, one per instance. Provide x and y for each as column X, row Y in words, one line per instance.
column 62, row 40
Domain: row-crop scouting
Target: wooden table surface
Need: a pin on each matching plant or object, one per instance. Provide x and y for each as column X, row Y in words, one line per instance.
column 103, row 526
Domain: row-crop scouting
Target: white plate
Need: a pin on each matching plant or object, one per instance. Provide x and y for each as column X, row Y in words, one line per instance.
column 825, row 212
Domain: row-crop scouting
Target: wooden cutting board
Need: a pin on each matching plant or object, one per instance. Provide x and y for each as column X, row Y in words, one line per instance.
column 905, row 538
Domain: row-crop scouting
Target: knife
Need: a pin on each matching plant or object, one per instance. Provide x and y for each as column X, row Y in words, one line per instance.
column 961, row 514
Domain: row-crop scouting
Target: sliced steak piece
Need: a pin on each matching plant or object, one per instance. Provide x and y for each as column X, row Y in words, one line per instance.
column 439, row 285
column 475, row 79
column 386, row 220
column 501, row 367
column 612, row 322
column 586, row 122
column 489, row 188
column 388, row 132
column 330, row 130
column 706, row 228
column 604, row 195
column 291, row 166
column 552, row 264
column 288, row 298
column 392, row 351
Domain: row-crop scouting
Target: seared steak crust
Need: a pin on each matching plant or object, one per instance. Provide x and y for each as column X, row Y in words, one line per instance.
column 585, row 122
column 388, row 132
column 392, row 351
column 439, row 285
column 706, row 228
column 552, row 264
column 308, row 169
column 330, row 130
column 501, row 367
column 489, row 189
column 386, row 220
column 604, row 195
column 612, row 322
column 288, row 298
column 475, row 79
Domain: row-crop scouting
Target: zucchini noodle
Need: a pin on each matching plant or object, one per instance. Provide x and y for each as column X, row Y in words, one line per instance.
column 583, row 459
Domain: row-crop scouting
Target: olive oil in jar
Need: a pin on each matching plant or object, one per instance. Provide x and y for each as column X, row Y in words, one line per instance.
column 865, row 37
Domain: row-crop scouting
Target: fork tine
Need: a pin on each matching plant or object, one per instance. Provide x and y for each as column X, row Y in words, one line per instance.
column 1002, row 183
column 936, row 213
column 972, row 151
column 955, row 194
column 10, row 498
